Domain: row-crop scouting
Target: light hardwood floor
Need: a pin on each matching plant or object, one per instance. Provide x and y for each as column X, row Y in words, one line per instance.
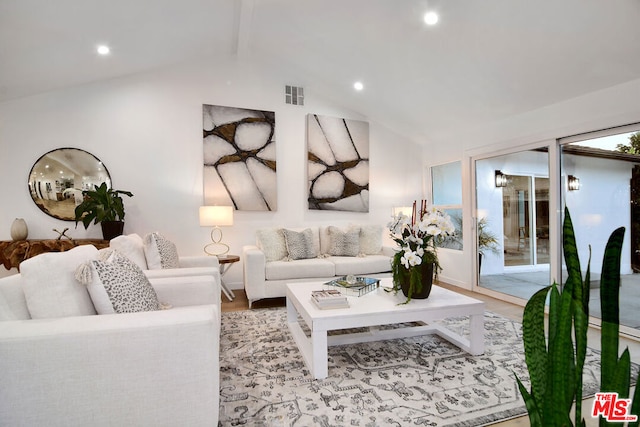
column 503, row 308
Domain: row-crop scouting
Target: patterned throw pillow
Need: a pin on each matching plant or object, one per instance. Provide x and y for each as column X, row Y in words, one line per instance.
column 344, row 243
column 160, row 252
column 118, row 285
column 300, row 245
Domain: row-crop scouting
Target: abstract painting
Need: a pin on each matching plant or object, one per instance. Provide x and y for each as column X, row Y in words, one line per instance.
column 239, row 158
column 337, row 164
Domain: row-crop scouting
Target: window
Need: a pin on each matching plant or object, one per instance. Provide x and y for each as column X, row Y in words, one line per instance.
column 446, row 189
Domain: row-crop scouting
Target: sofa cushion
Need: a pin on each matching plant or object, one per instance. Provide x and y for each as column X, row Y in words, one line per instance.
column 160, row 252
column 118, row 285
column 131, row 246
column 344, row 243
column 271, row 242
column 361, row 265
column 303, row 268
column 50, row 287
column 370, row 239
column 300, row 245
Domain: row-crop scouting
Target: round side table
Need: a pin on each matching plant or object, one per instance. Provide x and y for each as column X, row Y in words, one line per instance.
column 226, row 261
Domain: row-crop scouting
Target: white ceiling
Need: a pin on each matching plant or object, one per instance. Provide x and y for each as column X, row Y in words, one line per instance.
column 483, row 62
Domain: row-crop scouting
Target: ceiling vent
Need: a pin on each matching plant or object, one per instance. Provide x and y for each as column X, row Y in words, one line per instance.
column 294, row 95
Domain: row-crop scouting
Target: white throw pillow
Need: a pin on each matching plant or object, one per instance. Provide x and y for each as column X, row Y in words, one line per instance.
column 271, row 242
column 370, row 239
column 131, row 246
column 344, row 243
column 300, row 245
column 160, row 252
column 118, row 285
column 49, row 285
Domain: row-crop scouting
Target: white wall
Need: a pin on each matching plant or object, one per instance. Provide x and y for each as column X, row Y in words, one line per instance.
column 147, row 130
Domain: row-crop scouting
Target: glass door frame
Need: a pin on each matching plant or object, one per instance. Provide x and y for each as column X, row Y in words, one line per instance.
column 555, row 212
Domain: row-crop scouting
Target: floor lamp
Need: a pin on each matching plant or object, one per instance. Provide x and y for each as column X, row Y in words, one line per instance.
column 216, row 216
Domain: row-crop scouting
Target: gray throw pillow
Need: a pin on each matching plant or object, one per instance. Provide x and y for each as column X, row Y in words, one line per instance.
column 300, row 245
column 344, row 243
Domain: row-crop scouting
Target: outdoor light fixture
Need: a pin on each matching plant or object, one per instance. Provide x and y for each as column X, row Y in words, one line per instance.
column 573, row 183
column 501, row 179
column 216, row 216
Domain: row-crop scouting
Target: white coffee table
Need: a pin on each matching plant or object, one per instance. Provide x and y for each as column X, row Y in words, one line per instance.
column 375, row 309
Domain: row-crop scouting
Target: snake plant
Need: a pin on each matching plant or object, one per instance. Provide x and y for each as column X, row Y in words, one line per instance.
column 555, row 361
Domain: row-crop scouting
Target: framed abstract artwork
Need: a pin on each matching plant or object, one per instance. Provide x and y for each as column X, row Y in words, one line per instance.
column 337, row 164
column 239, row 158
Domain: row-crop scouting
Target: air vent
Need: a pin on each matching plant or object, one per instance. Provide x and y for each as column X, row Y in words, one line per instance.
column 294, row 95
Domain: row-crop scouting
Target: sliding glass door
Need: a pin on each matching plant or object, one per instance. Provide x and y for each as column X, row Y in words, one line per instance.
column 512, row 198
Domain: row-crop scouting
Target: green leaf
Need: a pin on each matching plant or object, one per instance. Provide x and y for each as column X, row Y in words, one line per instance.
column 535, row 344
column 609, row 304
column 535, row 417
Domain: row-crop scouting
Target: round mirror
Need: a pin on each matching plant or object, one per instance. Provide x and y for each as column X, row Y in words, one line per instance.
column 59, row 177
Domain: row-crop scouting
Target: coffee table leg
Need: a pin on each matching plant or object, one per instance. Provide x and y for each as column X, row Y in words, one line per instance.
column 313, row 349
column 476, row 334
column 320, row 354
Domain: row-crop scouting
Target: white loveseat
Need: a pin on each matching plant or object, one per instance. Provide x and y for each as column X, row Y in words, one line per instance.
column 68, row 366
column 283, row 255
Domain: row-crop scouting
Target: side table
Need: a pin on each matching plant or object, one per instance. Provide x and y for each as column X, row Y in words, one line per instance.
column 226, row 261
column 13, row 252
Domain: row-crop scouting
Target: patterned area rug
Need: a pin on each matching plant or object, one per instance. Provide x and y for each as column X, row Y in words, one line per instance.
column 420, row 381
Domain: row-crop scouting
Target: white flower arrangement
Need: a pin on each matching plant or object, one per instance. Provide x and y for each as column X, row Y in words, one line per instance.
column 418, row 237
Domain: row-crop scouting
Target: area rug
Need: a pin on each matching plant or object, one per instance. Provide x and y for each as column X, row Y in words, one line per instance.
column 419, row 381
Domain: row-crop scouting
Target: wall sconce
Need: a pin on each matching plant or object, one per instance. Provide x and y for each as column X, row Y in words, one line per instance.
column 501, row 179
column 216, row 216
column 573, row 183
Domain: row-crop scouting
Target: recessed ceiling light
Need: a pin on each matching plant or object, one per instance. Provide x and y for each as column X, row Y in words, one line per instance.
column 430, row 18
column 358, row 86
column 103, row 49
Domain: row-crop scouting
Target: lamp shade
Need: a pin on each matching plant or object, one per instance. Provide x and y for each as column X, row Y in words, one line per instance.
column 211, row 216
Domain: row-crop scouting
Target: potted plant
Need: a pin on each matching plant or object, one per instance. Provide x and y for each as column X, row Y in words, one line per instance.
column 555, row 348
column 414, row 265
column 487, row 241
column 105, row 206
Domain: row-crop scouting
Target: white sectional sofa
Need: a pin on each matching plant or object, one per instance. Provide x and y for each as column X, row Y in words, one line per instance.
column 283, row 255
column 62, row 364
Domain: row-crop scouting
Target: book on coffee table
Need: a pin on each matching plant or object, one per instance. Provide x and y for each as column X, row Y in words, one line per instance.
column 329, row 298
column 353, row 285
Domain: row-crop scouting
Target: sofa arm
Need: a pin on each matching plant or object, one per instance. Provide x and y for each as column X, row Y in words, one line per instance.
column 254, row 270
column 151, row 368
column 186, row 272
column 187, row 290
column 198, row 261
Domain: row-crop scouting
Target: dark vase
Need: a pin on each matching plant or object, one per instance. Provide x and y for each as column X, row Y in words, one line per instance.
column 427, row 282
column 111, row 229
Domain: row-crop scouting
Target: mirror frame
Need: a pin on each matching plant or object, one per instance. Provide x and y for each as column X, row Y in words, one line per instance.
column 60, row 202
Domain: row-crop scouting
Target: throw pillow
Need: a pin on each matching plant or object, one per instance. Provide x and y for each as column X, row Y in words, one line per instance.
column 300, row 245
column 50, row 288
column 271, row 242
column 370, row 239
column 118, row 285
column 131, row 246
column 160, row 252
column 344, row 243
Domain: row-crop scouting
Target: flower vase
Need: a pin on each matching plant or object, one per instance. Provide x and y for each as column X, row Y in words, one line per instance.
column 19, row 230
column 426, row 270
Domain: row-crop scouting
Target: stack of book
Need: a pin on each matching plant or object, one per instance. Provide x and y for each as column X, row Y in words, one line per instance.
column 328, row 299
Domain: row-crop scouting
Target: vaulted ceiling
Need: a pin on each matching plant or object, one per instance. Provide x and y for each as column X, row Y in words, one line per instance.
column 484, row 61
